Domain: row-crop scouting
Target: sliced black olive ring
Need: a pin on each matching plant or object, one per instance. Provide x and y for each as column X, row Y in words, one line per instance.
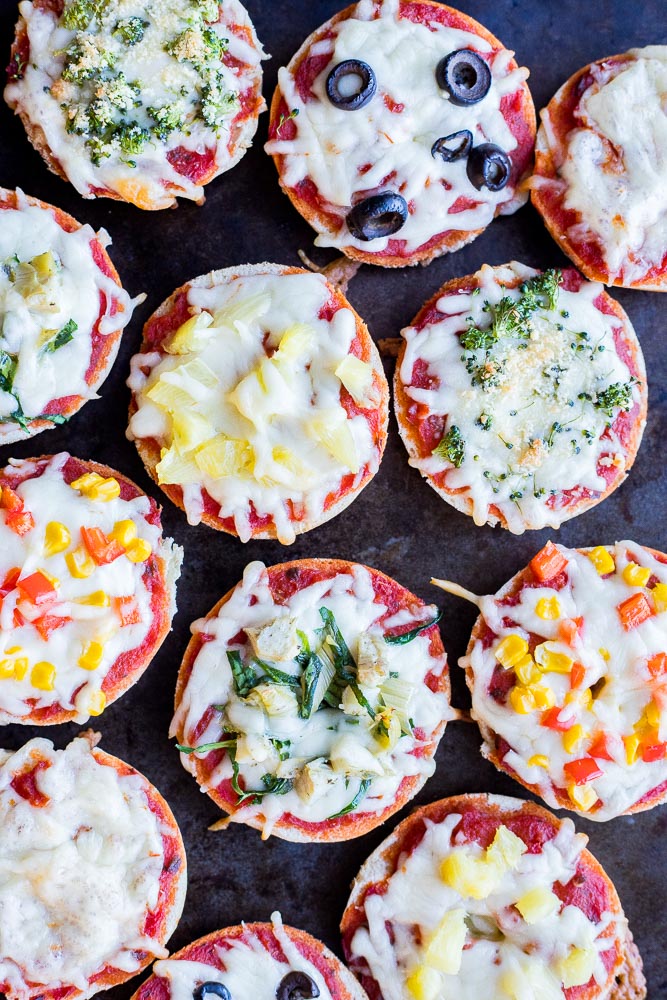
column 342, row 90
column 453, row 147
column 380, row 215
column 218, row 989
column 297, row 986
column 465, row 76
column 488, row 166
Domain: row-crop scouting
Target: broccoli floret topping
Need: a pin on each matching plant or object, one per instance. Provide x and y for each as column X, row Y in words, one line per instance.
column 217, row 102
column 130, row 30
column 167, row 119
column 616, row 396
column 209, row 10
column 78, row 14
column 131, row 137
column 85, row 59
column 451, row 447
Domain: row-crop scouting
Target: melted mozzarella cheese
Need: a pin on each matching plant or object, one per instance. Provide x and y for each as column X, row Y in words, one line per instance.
column 79, row 875
column 615, row 163
column 329, row 732
column 49, row 499
column 163, row 80
column 614, row 658
column 294, row 404
column 376, row 148
column 248, row 969
column 416, row 900
column 518, row 463
column 77, row 290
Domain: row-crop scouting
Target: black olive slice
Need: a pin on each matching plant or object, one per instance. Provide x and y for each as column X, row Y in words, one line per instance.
column 297, row 986
column 465, row 76
column 351, row 84
column 488, row 166
column 218, row 989
column 453, row 147
column 380, row 215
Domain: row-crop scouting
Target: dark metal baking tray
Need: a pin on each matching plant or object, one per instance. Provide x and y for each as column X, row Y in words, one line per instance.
column 398, row 524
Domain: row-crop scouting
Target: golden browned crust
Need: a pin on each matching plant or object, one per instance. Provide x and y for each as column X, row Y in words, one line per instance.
column 286, row 829
column 149, row 449
column 489, row 748
column 449, row 241
column 460, row 498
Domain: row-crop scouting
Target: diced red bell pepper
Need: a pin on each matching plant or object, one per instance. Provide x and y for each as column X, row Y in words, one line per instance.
column 46, row 624
column 568, row 628
column 10, row 500
column 653, row 751
column 551, row 720
column 19, row 619
column 582, row 771
column 102, row 549
column 633, row 611
column 548, row 562
column 36, row 588
column 657, row 664
column 599, row 748
column 21, row 523
column 9, row 581
column 127, row 610
column 577, row 675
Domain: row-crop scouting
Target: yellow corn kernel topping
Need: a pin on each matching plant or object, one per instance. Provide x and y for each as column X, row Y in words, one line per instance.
column 42, row 676
column 91, row 656
column 543, row 696
column 653, row 715
column 583, row 796
column 548, row 609
column 631, row 747
column 124, row 532
column 6, row 669
column 526, row 670
column 522, row 700
column 551, row 661
column 97, row 599
column 138, row 551
column 86, row 482
column 659, row 594
column 424, row 983
column 510, row 650
column 79, row 563
column 582, row 697
column 539, row 760
column 605, row 654
column 108, row 489
column 636, row 576
column 537, row 904
column 56, row 538
column 20, row 667
column 97, row 703
column 602, row 560
column 573, row 738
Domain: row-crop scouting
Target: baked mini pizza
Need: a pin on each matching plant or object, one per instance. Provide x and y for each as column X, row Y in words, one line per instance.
column 262, row 961
column 521, row 396
column 259, row 403
column 311, row 700
column 87, row 588
column 401, row 130
column 94, row 871
column 567, row 665
column 599, row 183
column 142, row 102
column 62, row 313
column 485, row 895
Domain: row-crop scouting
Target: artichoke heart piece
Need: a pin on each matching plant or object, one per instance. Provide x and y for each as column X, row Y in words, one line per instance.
column 277, row 640
column 45, row 265
column 357, row 377
column 348, row 756
column 274, row 699
column 176, row 469
column 223, row 456
column 313, row 780
column 191, row 335
column 331, row 429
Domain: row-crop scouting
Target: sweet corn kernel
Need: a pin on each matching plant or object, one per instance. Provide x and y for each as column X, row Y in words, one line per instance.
column 631, row 747
column 20, row 667
column 79, row 563
column 573, row 738
column 124, row 532
column 552, row 662
column 522, row 700
column 510, row 650
column 537, row 904
column 539, row 760
column 86, row 482
column 138, row 551
column 548, row 609
column 56, row 538
column 602, row 560
column 6, row 669
column 12, row 650
column 583, row 796
column 543, row 696
column 653, row 715
column 605, row 654
column 97, row 703
column 659, row 594
column 98, row 599
column 42, row 676
column 526, row 670
column 108, row 489
column 92, row 655
column 636, row 576
column 580, row 696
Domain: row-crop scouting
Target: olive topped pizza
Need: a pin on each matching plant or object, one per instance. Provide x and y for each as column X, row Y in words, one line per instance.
column 599, row 180
column 567, row 665
column 400, row 130
column 311, row 700
column 521, row 395
column 87, row 588
column 141, row 102
column 488, row 896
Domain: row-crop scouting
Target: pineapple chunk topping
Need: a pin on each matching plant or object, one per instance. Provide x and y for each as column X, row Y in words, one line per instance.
column 444, row 949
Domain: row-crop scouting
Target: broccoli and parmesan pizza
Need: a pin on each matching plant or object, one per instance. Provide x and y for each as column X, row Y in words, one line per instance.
column 521, row 395
column 141, row 102
column 400, row 129
column 311, row 700
column 488, row 896
column 62, row 313
column 260, row 961
column 599, row 180
column 87, row 588
column 567, row 665
column 93, row 871
column 259, row 402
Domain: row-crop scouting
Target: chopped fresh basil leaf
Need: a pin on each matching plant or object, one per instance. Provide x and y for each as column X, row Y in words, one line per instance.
column 244, row 677
column 206, row 747
column 405, row 637
column 62, row 337
column 351, row 806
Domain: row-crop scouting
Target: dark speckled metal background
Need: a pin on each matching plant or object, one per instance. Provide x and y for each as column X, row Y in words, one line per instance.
column 398, row 524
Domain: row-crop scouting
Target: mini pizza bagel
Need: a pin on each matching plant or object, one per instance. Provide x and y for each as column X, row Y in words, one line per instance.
column 259, row 402
column 486, row 895
column 311, row 700
column 599, row 169
column 521, row 395
column 87, row 588
column 400, row 129
column 264, row 961
column 140, row 102
column 94, row 871
column 567, row 666
column 62, row 313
